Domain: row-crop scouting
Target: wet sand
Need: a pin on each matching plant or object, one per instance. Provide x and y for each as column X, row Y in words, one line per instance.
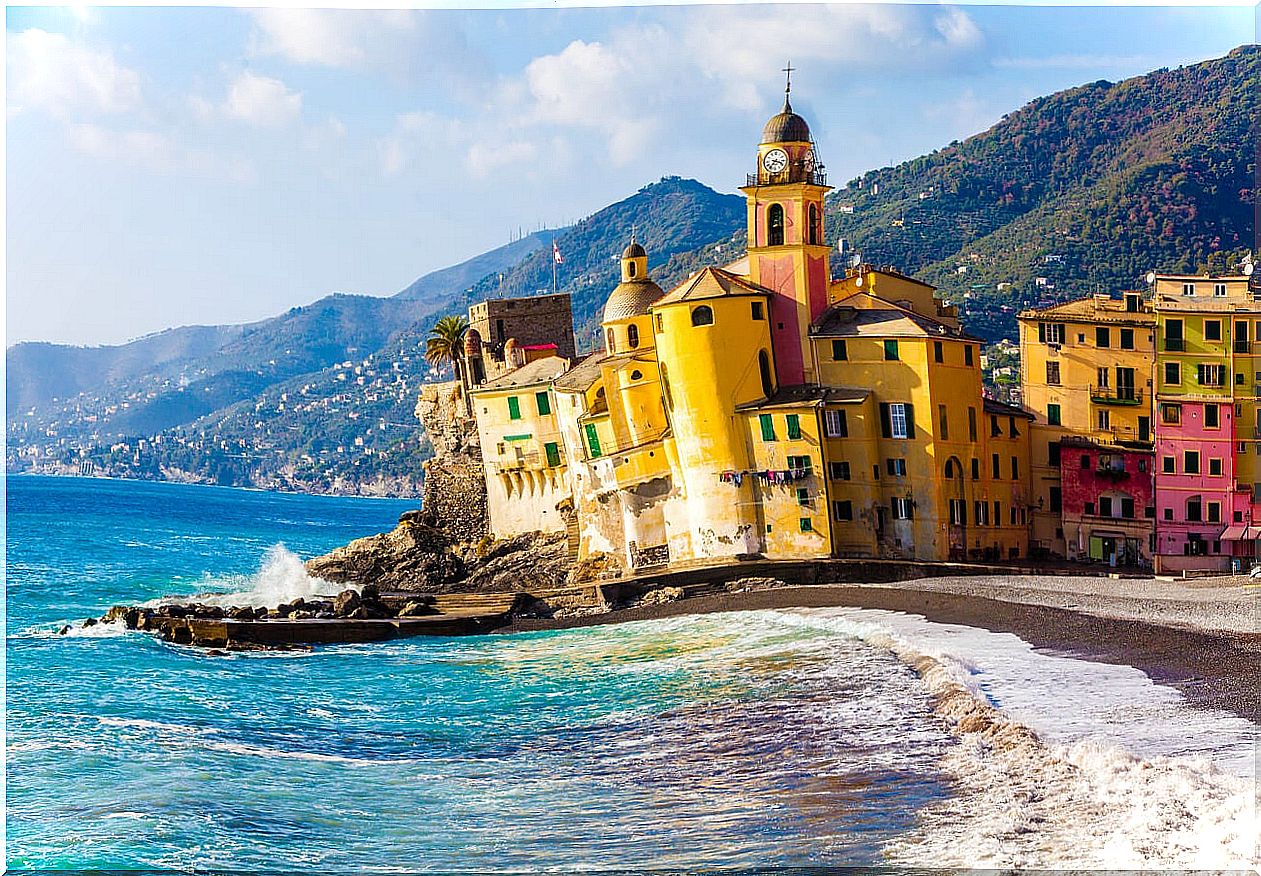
column 1218, row 669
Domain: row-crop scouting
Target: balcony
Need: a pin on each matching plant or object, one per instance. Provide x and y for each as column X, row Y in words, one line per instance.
column 1120, row 395
column 791, row 175
column 1174, row 345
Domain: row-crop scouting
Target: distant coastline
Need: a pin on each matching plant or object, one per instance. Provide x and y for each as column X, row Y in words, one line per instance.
column 413, row 494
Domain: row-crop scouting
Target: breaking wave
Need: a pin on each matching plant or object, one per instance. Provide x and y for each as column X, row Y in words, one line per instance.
column 281, row 577
column 1027, row 802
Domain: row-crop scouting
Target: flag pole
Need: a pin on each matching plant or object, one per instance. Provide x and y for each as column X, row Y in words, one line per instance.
column 553, row 265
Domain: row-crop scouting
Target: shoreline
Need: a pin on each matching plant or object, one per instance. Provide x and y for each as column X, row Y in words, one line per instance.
column 1212, row 669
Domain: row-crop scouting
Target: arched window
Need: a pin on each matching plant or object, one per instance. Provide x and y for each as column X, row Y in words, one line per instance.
column 632, row 335
column 630, row 269
column 609, row 343
column 814, row 224
column 703, row 315
column 775, row 225
column 764, row 366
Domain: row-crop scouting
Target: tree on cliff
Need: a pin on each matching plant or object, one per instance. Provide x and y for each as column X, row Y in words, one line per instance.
column 446, row 343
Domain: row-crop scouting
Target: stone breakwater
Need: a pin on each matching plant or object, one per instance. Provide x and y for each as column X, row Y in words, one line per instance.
column 421, row 556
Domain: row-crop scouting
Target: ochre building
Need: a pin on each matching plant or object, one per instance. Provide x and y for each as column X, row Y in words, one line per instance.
column 761, row 408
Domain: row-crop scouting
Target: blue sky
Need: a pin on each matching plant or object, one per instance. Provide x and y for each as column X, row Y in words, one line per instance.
column 169, row 166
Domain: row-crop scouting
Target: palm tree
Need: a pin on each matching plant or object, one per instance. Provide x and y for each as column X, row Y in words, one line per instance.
column 446, row 343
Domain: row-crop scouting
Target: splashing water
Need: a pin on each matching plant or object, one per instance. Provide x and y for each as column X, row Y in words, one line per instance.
column 281, row 577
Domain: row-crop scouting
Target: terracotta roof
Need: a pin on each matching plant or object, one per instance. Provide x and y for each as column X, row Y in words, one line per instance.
column 631, row 298
column 712, row 283
column 994, row 406
column 1091, row 308
column 845, row 321
column 539, row 371
column 582, row 375
column 808, row 395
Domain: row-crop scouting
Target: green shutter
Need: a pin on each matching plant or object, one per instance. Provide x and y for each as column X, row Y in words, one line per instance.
column 593, row 440
column 553, row 454
column 544, row 403
column 794, row 427
column 807, row 525
column 803, row 496
column 891, row 350
column 514, row 408
column 1053, row 415
column 768, row 427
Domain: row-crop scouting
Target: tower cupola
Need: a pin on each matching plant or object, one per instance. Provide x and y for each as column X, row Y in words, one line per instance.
column 632, row 296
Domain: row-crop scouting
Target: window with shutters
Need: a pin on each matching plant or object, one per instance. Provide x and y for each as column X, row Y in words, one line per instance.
column 839, row 471
column 891, row 350
column 902, row 508
column 1053, row 414
column 835, row 424
column 1053, row 373
column 768, row 426
column 898, row 421
column 544, row 403
column 843, row 509
column 593, row 441
column 514, row 408
column 794, row 427
column 552, row 451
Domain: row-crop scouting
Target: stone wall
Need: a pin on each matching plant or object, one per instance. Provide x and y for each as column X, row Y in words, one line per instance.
column 455, row 484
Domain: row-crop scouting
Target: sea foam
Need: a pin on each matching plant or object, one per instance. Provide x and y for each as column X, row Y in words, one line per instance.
column 281, row 577
column 1026, row 801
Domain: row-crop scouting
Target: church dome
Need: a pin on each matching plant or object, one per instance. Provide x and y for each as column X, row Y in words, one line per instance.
column 633, row 251
column 631, row 298
column 786, row 127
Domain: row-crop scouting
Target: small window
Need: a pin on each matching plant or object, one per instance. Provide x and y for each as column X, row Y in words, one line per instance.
column 976, row 469
column 891, row 351
column 840, row 352
column 843, row 510
column 1212, row 329
column 610, row 341
column 1171, row 415
column 1015, row 468
column 896, row 467
column 967, row 354
column 1188, row 289
column 703, row 315
column 659, row 326
column 902, row 508
column 593, row 441
column 637, row 375
column 1215, row 467
column 1127, row 339
column 544, row 402
column 1168, row 465
column 632, row 336
column 938, row 352
column 812, row 229
column 514, row 408
column 758, row 313
column 1191, row 462
column 1103, row 337
column 1053, row 414
column 1219, row 290
column 943, row 423
column 764, row 371
column 898, row 423
column 807, row 525
column 971, row 424
column 1212, row 417
column 1053, row 373
column 552, row 452
column 839, row 471
column 803, row 496
column 835, row 424
column 794, row 427
column 1173, row 373
column 768, row 427
column 630, row 269
column 1053, row 454
column 994, row 467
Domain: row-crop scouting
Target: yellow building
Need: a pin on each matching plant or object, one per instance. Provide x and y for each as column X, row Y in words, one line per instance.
column 765, row 409
column 1087, row 370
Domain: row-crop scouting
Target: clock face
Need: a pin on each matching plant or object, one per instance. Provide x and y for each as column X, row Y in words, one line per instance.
column 775, row 161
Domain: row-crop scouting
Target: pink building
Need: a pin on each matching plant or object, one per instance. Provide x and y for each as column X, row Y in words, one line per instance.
column 1108, row 503
column 1196, row 497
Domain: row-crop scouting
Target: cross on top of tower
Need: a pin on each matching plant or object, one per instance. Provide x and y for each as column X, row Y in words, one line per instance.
column 788, row 85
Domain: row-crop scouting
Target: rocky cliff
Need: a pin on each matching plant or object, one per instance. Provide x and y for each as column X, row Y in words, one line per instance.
column 446, row 546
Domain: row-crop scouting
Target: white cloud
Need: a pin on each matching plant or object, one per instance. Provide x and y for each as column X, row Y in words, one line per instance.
column 260, row 100
column 407, row 42
column 153, row 151
column 52, row 73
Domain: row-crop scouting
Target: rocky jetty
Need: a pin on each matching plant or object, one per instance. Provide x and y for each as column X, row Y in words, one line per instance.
column 421, row 556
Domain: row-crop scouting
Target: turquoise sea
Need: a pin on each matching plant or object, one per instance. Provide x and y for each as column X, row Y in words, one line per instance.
column 722, row 741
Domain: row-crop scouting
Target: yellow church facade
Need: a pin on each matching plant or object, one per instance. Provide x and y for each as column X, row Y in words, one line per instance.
column 764, row 409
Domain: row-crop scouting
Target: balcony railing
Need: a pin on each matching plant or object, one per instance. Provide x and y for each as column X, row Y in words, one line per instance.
column 791, row 175
column 1116, row 395
column 1174, row 345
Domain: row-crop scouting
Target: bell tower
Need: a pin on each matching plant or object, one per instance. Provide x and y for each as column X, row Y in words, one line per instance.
column 787, row 252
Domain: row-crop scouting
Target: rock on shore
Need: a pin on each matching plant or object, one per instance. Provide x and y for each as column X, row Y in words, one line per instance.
column 419, row 555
